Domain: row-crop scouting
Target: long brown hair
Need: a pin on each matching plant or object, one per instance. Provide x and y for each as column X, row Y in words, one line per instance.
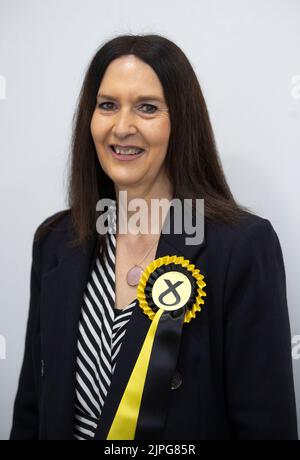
column 192, row 160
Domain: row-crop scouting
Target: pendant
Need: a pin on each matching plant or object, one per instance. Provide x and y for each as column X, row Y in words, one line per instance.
column 134, row 275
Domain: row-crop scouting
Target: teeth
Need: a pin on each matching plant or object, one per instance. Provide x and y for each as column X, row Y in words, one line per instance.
column 127, row 151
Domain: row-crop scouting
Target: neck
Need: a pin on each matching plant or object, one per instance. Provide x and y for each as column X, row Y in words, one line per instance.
column 157, row 191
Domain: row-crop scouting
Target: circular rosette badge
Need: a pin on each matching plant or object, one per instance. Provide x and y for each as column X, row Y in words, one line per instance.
column 171, row 283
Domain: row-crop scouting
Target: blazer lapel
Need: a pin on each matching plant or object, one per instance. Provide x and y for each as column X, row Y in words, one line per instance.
column 62, row 290
column 137, row 329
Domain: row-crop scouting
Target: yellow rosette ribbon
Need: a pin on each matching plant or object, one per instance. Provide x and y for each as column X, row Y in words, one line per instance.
column 170, row 293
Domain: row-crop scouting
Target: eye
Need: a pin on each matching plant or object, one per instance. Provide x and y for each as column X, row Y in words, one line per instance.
column 153, row 107
column 101, row 106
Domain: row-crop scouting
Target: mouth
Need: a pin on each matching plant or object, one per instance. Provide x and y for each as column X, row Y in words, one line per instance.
column 126, row 153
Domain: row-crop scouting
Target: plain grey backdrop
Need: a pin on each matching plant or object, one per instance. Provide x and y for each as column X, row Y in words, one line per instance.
column 247, row 58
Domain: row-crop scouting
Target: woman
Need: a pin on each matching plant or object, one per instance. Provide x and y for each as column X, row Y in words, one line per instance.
column 106, row 357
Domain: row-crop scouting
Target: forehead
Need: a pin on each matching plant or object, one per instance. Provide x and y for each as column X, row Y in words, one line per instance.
column 130, row 76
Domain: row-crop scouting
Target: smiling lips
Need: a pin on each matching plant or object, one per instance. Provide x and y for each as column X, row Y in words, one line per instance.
column 125, row 154
column 126, row 150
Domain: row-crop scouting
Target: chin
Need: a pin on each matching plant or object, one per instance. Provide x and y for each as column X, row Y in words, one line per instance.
column 125, row 181
column 129, row 177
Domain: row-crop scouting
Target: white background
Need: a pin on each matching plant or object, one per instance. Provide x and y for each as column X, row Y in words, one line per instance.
column 247, row 58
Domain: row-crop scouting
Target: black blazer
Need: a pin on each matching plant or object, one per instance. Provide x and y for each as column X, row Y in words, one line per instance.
column 234, row 367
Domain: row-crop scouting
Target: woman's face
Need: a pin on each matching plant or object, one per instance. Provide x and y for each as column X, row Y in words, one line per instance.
column 131, row 111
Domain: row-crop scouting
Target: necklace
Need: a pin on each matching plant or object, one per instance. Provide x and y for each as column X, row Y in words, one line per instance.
column 135, row 272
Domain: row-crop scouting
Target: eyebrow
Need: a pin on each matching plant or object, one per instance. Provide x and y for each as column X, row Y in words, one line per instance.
column 139, row 98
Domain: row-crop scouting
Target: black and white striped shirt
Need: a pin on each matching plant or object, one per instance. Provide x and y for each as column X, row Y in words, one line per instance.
column 101, row 330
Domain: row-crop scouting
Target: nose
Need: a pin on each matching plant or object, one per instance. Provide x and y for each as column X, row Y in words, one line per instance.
column 124, row 123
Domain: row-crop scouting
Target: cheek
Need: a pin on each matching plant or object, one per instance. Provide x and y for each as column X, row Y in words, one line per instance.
column 158, row 133
column 93, row 127
column 97, row 129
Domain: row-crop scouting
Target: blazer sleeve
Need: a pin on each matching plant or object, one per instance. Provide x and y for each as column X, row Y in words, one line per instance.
column 258, row 356
column 25, row 413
